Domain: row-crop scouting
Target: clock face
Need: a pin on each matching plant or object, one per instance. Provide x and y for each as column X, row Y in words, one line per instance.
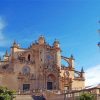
column 26, row 70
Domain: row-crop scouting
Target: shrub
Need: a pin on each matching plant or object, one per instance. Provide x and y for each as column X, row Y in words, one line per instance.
column 6, row 94
column 86, row 96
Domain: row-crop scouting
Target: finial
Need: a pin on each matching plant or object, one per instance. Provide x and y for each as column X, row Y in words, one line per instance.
column 42, row 36
column 41, row 40
column 0, row 58
column 72, row 56
column 6, row 53
column 14, row 43
column 56, row 41
column 82, row 70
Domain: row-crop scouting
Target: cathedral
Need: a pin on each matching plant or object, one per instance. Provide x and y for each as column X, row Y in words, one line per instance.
column 39, row 67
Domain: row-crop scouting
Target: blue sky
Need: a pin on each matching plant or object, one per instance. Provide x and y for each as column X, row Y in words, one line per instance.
column 73, row 22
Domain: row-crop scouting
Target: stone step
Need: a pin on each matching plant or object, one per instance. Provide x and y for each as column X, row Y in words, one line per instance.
column 23, row 97
column 60, row 97
column 29, row 97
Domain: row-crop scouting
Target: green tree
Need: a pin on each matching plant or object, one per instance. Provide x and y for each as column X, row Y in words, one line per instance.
column 6, row 94
column 86, row 96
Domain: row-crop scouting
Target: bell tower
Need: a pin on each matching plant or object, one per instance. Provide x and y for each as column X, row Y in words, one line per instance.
column 15, row 47
column 57, row 53
column 41, row 40
column 6, row 56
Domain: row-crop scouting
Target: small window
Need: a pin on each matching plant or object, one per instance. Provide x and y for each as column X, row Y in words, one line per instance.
column 29, row 57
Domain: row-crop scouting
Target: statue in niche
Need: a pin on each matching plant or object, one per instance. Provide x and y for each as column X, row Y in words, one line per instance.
column 49, row 78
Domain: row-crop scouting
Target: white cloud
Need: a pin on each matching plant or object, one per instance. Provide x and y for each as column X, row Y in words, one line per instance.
column 92, row 75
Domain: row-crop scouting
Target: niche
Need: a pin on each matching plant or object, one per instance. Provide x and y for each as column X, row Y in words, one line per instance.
column 29, row 57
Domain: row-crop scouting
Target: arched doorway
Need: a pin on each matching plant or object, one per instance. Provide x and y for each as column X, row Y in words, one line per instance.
column 51, row 82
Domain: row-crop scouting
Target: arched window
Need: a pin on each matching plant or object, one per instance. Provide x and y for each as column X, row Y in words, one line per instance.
column 29, row 57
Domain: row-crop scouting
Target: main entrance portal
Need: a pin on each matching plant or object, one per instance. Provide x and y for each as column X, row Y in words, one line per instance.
column 26, row 87
column 49, row 85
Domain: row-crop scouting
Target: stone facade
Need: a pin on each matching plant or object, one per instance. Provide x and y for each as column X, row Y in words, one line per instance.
column 39, row 67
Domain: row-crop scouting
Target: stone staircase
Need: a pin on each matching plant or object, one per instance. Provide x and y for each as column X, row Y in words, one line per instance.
column 49, row 95
column 29, row 97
